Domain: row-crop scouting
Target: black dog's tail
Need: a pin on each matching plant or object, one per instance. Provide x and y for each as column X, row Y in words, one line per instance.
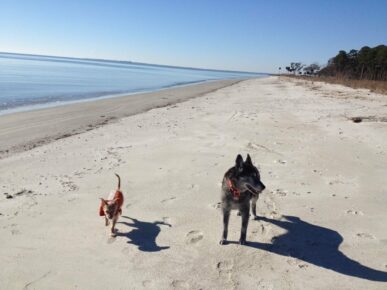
column 119, row 181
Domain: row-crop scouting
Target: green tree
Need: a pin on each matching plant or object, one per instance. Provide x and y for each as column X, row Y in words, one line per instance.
column 367, row 63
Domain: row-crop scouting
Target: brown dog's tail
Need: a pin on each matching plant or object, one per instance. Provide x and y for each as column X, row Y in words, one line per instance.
column 119, row 181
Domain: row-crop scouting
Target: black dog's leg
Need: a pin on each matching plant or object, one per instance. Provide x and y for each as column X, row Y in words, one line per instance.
column 245, row 222
column 254, row 206
column 226, row 218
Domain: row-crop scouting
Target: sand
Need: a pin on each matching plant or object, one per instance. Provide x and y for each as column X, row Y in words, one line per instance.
column 323, row 214
column 25, row 130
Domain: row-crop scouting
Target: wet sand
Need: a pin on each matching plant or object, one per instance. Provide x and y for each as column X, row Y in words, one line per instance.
column 25, row 130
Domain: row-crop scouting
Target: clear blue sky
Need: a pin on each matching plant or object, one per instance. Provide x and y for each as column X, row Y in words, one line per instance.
column 236, row 35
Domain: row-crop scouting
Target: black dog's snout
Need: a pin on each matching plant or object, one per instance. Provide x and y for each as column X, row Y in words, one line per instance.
column 263, row 186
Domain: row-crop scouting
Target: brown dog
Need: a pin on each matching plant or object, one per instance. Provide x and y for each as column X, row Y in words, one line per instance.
column 111, row 208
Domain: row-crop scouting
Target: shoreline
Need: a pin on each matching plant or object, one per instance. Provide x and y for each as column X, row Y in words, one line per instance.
column 49, row 105
column 23, row 130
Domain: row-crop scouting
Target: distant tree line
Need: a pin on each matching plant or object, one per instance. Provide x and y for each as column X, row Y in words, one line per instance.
column 366, row 63
column 297, row 67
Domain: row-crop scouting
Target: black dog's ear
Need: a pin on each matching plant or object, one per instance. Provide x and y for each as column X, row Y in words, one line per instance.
column 248, row 160
column 239, row 163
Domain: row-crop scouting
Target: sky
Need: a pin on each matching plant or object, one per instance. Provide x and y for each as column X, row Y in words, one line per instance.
column 244, row 35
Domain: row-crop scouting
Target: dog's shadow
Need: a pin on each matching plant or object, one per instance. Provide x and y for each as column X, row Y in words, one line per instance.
column 143, row 234
column 316, row 245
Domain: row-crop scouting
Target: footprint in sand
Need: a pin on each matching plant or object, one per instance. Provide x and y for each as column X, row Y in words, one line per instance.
column 234, row 115
column 225, row 268
column 336, row 181
column 365, row 236
column 72, row 199
column 217, row 205
column 68, row 185
column 166, row 219
column 180, row 284
column 354, row 212
column 281, row 192
column 193, row 237
column 265, row 285
column 168, row 199
column 303, row 266
column 15, row 232
column 292, row 261
column 298, row 263
column 148, row 284
column 111, row 240
column 125, row 250
column 79, row 173
column 258, row 147
column 260, row 230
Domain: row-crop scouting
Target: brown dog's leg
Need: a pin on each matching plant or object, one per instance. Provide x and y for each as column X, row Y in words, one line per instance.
column 106, row 221
column 113, row 230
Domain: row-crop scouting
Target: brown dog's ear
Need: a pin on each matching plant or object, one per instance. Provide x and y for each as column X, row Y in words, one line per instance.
column 239, row 163
column 248, row 160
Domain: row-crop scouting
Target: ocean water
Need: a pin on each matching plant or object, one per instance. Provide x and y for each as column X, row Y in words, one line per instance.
column 28, row 81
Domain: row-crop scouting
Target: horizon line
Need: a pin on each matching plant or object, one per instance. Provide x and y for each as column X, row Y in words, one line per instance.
column 134, row 62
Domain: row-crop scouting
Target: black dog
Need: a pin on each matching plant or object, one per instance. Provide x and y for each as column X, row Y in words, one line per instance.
column 241, row 184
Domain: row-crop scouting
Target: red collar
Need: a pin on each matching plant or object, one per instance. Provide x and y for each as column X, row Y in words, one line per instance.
column 235, row 192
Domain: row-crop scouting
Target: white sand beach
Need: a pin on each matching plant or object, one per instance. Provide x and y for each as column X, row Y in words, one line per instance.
column 323, row 213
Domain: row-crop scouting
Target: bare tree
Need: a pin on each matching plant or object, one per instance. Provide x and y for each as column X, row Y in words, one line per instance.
column 295, row 67
column 311, row 69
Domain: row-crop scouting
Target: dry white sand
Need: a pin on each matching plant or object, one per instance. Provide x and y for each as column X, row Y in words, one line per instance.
column 323, row 213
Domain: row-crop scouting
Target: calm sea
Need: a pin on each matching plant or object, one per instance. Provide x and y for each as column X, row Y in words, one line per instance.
column 28, row 81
